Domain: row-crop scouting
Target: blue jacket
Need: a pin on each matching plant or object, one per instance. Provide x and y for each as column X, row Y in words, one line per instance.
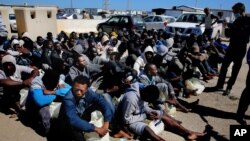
column 74, row 110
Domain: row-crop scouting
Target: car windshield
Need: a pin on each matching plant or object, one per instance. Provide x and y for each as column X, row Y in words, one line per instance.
column 191, row 18
column 12, row 16
column 137, row 20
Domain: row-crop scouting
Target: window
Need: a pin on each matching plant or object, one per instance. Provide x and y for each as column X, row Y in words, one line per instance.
column 124, row 20
column 170, row 20
column 49, row 14
column 137, row 19
column 114, row 20
column 32, row 14
column 12, row 17
column 157, row 19
column 149, row 19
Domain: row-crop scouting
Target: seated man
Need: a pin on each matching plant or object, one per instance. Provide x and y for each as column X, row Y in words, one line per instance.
column 151, row 77
column 76, row 109
column 82, row 66
column 134, row 109
column 42, row 93
column 12, row 81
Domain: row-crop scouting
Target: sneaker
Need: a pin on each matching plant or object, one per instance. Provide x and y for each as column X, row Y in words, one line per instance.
column 227, row 92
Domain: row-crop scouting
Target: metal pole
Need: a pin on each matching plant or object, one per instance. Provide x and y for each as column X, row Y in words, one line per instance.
column 195, row 3
column 71, row 4
column 128, row 6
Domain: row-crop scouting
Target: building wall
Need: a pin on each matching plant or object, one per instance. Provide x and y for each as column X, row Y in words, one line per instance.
column 43, row 21
column 4, row 12
column 79, row 25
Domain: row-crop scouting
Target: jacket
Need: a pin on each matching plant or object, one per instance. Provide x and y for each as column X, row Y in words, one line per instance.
column 73, row 109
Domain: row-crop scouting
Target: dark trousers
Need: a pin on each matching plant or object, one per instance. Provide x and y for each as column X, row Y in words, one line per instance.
column 245, row 98
column 235, row 56
column 208, row 32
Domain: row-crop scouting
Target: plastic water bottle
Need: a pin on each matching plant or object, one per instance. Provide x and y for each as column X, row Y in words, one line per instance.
column 172, row 110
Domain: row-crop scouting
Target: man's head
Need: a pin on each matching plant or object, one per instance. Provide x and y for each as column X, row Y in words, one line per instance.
column 80, row 86
column 71, row 42
column 57, row 46
column 238, row 9
column 39, row 40
column 151, row 69
column 206, row 11
column 9, row 65
column 51, row 79
column 49, row 36
column 81, row 61
column 150, row 93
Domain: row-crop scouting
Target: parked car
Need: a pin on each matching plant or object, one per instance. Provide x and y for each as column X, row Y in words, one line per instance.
column 158, row 22
column 12, row 20
column 119, row 22
column 188, row 23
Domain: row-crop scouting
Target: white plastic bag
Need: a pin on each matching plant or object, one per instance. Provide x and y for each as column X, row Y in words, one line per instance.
column 54, row 109
column 193, row 84
column 157, row 126
column 97, row 119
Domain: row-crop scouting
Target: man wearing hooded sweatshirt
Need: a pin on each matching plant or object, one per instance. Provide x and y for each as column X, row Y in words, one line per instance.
column 11, row 79
column 146, row 57
column 134, row 109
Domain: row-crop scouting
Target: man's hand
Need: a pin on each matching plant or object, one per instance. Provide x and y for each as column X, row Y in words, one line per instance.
column 27, row 82
column 154, row 115
column 102, row 131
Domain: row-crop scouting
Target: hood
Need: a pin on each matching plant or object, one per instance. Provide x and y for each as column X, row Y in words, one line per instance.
column 105, row 38
column 148, row 49
column 161, row 50
column 135, row 87
column 169, row 42
column 9, row 58
column 78, row 48
column 26, row 34
column 182, row 24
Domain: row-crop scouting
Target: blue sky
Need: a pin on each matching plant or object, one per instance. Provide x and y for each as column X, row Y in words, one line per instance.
column 134, row 4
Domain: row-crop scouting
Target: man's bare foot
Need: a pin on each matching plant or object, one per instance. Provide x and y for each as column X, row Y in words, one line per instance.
column 122, row 134
column 195, row 135
column 13, row 115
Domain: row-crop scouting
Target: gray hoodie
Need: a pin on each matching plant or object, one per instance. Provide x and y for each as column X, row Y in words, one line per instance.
column 133, row 108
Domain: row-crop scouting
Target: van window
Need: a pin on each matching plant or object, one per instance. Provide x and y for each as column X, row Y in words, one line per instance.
column 114, row 20
column 157, row 19
column 124, row 20
column 137, row 20
column 148, row 19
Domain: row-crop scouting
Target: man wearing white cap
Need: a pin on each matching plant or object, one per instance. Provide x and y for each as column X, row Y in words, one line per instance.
column 11, row 80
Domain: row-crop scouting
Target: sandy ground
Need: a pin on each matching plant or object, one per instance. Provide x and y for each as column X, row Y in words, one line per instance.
column 214, row 113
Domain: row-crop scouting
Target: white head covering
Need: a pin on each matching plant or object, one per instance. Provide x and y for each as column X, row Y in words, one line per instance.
column 169, row 42
column 161, row 49
column 104, row 39
column 9, row 58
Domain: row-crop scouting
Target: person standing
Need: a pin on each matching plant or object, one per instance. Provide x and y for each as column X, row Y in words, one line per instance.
column 239, row 32
column 208, row 21
column 245, row 97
